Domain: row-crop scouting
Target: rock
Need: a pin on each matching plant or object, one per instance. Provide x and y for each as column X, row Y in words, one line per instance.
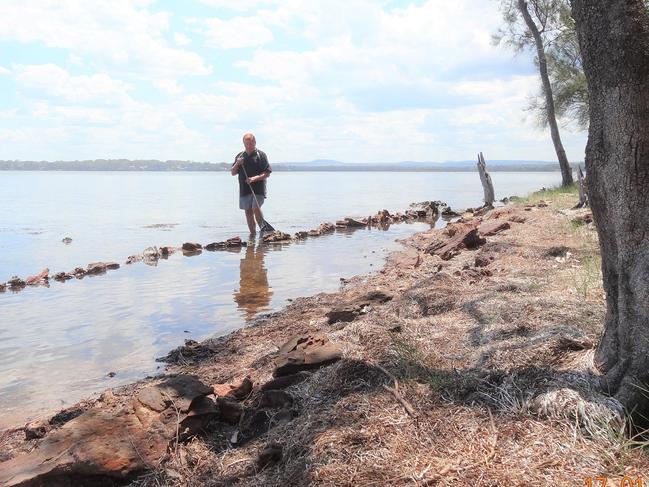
column 36, row 430
column 343, row 314
column 229, row 243
column 285, row 381
column 79, row 272
column 67, row 240
column 191, row 247
column 16, row 283
column 449, row 213
column 584, row 219
column 489, row 228
column 112, row 265
column 276, row 236
column 269, row 455
column 351, row 222
column 230, row 410
column 326, row 227
column 166, row 251
column 276, row 399
column 306, row 351
column 541, row 204
column 314, row 233
column 3, row 287
column 62, row 276
column 463, row 236
column 132, row 259
column 238, row 390
column 408, row 259
column 179, row 391
column 301, row 235
column 40, row 278
column 498, row 213
column 517, row 219
column 96, row 268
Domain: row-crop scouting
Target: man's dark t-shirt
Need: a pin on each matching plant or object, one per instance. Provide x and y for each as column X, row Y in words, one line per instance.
column 254, row 164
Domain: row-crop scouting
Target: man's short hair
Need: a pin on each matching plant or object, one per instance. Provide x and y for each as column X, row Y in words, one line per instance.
column 249, row 135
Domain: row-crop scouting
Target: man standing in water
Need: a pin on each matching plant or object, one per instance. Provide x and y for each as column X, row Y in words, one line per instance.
column 253, row 169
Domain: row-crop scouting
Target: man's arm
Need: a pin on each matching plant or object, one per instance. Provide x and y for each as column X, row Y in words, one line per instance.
column 259, row 177
column 237, row 164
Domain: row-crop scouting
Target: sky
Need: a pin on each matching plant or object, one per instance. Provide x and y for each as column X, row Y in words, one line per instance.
column 350, row 80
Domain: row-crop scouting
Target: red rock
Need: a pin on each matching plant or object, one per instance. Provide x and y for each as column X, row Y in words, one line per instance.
column 351, row 222
column 303, row 352
column 276, row 236
column 463, row 236
column 489, row 228
column 112, row 265
column 517, row 219
column 36, row 430
column 238, row 390
column 229, row 243
column 79, row 272
column 498, row 213
column 40, row 278
column 301, row 235
column 3, row 287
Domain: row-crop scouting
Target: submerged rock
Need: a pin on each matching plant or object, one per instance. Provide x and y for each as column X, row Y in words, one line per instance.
column 42, row 277
column 96, row 268
column 276, row 236
column 301, row 235
column 62, row 276
column 67, row 240
column 3, row 287
column 16, row 283
column 79, row 272
column 233, row 242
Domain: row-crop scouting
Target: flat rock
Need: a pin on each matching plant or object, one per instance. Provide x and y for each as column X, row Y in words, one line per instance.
column 238, row 390
column 233, row 242
column 96, row 268
column 62, row 276
column 408, row 259
column 488, row 228
column 276, row 236
column 306, row 351
column 180, row 391
column 3, row 287
column 40, row 278
column 462, row 236
column 191, row 247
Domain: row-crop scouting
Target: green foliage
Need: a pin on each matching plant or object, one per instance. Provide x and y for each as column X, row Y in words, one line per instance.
column 567, row 79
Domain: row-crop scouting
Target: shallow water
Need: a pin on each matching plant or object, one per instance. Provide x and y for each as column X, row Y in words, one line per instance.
column 57, row 345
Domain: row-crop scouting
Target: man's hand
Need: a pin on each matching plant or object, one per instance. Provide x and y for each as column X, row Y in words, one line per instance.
column 251, row 180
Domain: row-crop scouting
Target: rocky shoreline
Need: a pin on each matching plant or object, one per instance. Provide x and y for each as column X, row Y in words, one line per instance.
column 359, row 387
column 152, row 255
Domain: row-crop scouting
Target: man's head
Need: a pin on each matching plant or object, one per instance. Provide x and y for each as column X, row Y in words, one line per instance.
column 249, row 143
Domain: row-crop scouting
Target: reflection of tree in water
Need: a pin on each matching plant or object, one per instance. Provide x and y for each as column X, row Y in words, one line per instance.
column 253, row 294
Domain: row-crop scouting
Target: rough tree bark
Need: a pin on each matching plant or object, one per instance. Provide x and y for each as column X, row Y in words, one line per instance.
column 614, row 40
column 566, row 171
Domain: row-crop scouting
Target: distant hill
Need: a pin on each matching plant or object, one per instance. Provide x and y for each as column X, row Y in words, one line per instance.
column 316, row 165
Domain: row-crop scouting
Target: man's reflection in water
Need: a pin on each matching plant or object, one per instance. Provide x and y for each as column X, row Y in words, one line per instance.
column 253, row 294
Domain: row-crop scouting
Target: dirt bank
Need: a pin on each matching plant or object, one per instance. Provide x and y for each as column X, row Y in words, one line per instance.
column 465, row 366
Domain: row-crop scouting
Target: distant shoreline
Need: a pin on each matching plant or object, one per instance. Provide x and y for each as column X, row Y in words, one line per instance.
column 124, row 165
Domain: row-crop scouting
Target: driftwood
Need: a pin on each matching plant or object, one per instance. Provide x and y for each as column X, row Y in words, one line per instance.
column 485, row 179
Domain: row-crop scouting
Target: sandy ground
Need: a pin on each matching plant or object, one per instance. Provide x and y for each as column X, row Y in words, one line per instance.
column 475, row 370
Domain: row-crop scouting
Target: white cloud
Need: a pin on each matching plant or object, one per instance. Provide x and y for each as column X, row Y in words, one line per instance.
column 169, row 87
column 181, row 39
column 50, row 80
column 120, row 33
column 4, row 71
column 236, row 32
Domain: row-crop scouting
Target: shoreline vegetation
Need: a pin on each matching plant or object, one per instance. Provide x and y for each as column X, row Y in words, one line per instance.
column 468, row 359
column 317, row 165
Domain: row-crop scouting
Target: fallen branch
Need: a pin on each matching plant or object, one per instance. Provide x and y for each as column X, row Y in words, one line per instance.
column 395, row 392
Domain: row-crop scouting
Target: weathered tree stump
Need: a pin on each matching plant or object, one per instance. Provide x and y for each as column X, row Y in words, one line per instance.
column 485, row 179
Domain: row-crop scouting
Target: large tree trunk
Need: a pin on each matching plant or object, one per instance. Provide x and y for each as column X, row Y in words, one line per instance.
column 614, row 39
column 566, row 171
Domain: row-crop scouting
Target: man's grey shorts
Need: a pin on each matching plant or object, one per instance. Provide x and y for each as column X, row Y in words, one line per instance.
column 248, row 202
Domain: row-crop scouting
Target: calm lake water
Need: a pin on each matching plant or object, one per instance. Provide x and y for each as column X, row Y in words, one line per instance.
column 58, row 344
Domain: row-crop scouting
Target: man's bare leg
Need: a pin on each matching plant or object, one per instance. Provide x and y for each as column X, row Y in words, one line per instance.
column 250, row 219
column 259, row 216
